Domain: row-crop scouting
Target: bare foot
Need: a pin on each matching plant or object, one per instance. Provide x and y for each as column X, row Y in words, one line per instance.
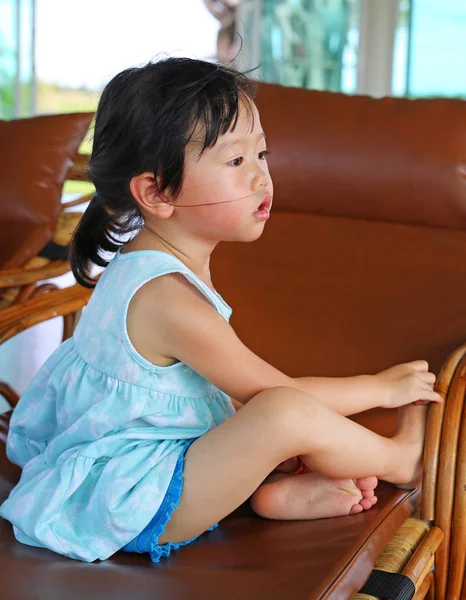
column 410, row 437
column 313, row 496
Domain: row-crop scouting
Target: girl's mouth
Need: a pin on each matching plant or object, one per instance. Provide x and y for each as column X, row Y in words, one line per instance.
column 266, row 203
column 263, row 211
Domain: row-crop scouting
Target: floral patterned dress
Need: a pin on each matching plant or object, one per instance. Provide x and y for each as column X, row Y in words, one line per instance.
column 101, row 432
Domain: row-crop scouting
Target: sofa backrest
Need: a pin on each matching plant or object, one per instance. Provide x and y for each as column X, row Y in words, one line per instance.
column 362, row 263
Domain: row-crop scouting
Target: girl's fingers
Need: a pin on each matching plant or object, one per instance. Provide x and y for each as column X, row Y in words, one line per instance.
column 427, row 377
column 427, row 387
column 419, row 365
column 430, row 396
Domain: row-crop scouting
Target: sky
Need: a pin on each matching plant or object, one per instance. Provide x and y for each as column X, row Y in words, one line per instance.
column 439, row 47
column 85, row 43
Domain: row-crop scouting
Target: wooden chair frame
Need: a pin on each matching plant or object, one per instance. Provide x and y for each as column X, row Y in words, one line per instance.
column 40, row 306
column 437, row 566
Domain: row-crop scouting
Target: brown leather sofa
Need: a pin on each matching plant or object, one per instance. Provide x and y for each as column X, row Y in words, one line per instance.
column 361, row 266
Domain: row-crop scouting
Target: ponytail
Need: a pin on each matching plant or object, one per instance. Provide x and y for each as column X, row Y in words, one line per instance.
column 99, row 231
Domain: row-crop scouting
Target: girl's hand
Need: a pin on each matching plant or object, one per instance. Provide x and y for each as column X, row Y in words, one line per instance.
column 406, row 383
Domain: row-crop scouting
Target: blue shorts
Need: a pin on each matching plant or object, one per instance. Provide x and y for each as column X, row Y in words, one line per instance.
column 147, row 540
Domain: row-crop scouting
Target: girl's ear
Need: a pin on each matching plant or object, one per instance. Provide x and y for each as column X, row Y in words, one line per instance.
column 145, row 191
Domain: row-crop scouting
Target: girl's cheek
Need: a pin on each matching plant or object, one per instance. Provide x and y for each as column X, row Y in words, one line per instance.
column 228, row 219
column 231, row 223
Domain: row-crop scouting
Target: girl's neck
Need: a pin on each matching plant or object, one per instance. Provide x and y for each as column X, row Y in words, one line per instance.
column 148, row 239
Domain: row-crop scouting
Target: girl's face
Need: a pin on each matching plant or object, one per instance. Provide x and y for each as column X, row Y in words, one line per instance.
column 231, row 180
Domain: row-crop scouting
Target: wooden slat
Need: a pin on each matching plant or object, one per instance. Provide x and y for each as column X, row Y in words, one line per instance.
column 423, row 558
column 426, row 590
column 447, row 474
column 9, row 394
column 79, row 170
column 433, row 434
column 61, row 302
column 22, row 276
column 423, row 555
column 457, row 556
column 78, row 201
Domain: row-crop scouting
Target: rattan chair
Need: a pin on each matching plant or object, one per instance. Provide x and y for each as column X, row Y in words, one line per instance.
column 430, row 547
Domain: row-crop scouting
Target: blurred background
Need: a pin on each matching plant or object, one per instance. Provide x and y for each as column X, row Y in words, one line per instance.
column 56, row 55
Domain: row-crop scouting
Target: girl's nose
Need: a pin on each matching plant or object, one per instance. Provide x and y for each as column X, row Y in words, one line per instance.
column 260, row 177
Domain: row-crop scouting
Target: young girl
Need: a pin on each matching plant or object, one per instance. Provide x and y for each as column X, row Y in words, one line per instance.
column 128, row 436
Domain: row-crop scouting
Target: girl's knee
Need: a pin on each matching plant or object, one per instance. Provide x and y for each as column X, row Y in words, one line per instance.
column 288, row 418
column 285, row 406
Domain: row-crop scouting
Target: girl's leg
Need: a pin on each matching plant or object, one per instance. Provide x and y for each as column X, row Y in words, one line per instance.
column 226, row 465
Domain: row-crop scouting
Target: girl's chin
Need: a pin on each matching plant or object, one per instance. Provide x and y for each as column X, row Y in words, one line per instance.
column 243, row 234
column 252, row 235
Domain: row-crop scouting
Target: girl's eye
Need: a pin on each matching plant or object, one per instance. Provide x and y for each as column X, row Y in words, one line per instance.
column 236, row 162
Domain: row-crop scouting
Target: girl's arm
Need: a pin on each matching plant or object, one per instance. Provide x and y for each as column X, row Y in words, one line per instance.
column 387, row 388
column 351, row 395
column 346, row 395
column 340, row 393
column 191, row 330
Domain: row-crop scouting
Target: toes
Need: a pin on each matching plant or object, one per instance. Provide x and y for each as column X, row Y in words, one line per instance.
column 356, row 509
column 367, row 493
column 366, row 483
column 365, row 503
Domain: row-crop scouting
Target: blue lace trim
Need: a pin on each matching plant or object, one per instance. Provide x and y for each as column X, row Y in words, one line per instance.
column 147, row 540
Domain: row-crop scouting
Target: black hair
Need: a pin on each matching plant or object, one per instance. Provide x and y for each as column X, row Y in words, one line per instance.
column 145, row 117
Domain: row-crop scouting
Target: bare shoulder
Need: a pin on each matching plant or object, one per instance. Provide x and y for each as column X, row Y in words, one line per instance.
column 167, row 293
column 157, row 303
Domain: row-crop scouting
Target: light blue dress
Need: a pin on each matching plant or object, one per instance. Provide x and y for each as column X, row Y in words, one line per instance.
column 101, row 432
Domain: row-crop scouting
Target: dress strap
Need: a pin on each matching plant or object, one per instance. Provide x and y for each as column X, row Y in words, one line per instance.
column 144, row 265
